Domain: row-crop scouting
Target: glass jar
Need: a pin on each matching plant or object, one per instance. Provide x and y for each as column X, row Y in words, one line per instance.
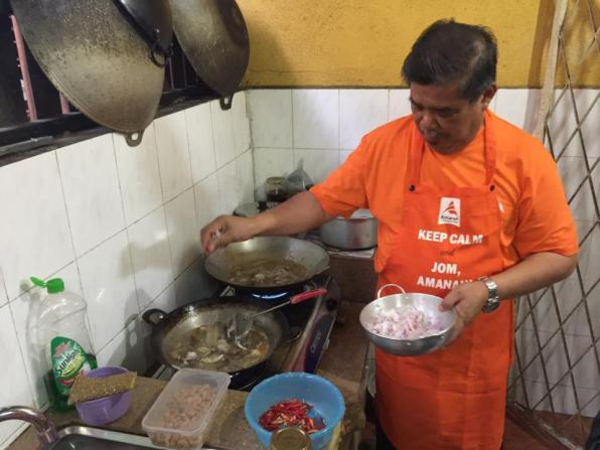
column 290, row 439
column 276, row 192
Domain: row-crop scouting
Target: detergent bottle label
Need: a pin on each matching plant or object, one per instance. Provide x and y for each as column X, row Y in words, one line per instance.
column 68, row 360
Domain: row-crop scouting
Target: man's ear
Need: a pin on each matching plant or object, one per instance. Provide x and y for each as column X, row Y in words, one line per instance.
column 488, row 95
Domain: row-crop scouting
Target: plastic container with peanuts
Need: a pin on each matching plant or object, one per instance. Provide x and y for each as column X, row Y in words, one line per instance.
column 180, row 416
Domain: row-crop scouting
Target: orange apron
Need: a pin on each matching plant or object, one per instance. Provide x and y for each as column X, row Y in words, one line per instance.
column 453, row 398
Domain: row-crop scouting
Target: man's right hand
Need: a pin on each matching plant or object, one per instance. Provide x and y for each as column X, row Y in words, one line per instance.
column 224, row 230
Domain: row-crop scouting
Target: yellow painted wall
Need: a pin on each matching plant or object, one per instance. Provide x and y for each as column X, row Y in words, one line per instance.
column 363, row 42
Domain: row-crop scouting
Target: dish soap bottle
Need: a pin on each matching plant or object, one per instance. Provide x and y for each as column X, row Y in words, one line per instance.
column 61, row 341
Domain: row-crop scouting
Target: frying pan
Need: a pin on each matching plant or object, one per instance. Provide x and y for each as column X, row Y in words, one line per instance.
column 214, row 37
column 313, row 258
column 168, row 329
column 92, row 54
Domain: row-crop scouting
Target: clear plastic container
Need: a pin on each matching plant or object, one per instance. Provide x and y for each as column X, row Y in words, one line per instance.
column 180, row 416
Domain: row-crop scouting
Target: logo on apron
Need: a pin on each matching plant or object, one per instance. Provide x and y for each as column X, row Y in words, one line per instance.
column 449, row 211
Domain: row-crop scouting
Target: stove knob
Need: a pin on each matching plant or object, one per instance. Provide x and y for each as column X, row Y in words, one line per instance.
column 332, row 304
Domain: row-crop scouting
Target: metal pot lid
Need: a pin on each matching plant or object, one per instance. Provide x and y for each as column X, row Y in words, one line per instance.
column 253, row 209
column 94, row 57
column 215, row 39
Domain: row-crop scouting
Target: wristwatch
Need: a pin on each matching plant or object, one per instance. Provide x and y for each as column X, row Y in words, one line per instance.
column 493, row 301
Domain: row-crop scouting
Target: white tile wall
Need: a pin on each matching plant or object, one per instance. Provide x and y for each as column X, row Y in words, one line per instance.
column 285, row 130
column 223, row 135
column 120, row 226
column 3, row 296
column 109, row 288
column 138, row 175
column 272, row 162
column 320, row 126
column 150, row 256
column 245, row 176
column 518, row 106
column 361, row 111
column 182, row 230
column 271, row 118
column 399, row 103
column 173, row 155
column 317, row 163
column 229, row 188
column 15, row 389
column 200, row 139
column 126, row 349
column 208, row 205
column 31, row 195
column 316, row 118
column 89, row 175
column 241, row 125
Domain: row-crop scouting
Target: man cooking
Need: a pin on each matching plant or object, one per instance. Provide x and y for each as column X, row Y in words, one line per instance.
column 471, row 209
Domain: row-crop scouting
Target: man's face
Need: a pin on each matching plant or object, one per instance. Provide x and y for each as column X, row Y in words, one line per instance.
column 447, row 121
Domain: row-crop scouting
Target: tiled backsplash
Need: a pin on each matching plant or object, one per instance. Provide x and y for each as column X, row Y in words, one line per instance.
column 322, row 126
column 120, row 226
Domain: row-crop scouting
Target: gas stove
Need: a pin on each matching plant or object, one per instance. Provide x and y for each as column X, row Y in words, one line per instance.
column 310, row 325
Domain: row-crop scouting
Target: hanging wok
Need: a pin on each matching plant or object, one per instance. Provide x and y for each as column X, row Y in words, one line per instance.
column 215, row 39
column 239, row 264
column 92, row 54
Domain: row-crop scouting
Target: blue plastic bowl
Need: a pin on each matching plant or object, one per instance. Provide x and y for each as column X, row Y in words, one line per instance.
column 325, row 398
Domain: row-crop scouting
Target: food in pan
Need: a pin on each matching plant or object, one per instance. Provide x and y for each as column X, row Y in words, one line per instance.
column 267, row 272
column 208, row 347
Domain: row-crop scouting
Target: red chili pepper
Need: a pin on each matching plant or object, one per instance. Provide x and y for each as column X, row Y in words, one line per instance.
column 290, row 413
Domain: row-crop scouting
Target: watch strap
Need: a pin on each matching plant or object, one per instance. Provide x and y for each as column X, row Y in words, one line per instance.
column 493, row 301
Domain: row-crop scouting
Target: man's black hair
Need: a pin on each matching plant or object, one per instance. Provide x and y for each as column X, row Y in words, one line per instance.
column 447, row 52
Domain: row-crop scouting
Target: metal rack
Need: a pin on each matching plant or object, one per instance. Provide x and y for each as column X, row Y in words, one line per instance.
column 549, row 323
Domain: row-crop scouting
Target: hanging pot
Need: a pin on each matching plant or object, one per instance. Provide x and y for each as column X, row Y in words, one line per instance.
column 215, row 39
column 92, row 54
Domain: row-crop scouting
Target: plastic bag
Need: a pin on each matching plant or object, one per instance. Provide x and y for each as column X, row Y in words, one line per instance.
column 298, row 181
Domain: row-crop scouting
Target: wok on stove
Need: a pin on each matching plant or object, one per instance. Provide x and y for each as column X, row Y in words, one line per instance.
column 202, row 325
column 270, row 253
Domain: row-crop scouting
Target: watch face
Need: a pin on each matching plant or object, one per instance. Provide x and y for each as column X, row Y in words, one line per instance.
column 491, row 305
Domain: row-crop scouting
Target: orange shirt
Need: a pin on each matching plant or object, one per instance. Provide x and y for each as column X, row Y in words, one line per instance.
column 536, row 217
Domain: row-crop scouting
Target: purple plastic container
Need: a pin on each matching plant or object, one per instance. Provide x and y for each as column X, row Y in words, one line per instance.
column 107, row 409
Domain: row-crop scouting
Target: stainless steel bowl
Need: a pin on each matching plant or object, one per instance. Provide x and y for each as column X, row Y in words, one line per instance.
column 428, row 304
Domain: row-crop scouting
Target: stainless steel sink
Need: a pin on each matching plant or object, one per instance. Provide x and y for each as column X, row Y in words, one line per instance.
column 87, row 438
column 78, row 437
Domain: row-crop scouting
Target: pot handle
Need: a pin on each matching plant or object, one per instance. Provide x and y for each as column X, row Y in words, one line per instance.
column 154, row 316
column 389, row 285
column 307, row 295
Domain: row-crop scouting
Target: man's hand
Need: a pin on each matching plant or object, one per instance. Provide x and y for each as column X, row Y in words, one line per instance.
column 224, row 230
column 467, row 299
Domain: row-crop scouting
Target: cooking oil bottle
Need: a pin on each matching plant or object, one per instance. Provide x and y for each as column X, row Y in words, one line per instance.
column 61, row 340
